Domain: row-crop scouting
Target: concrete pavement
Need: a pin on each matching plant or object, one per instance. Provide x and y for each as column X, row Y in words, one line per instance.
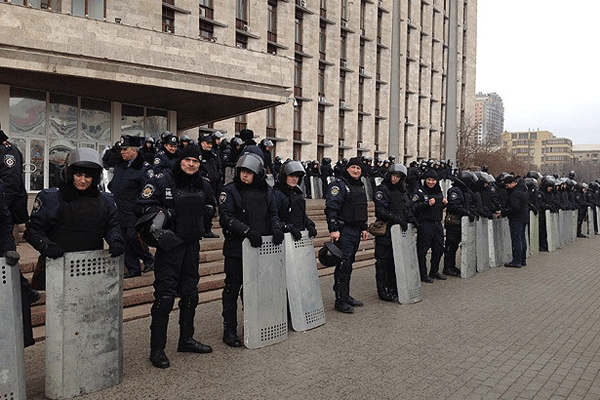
column 530, row 333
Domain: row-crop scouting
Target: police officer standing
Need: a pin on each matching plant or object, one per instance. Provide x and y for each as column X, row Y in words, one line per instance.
column 11, row 178
column 178, row 200
column 130, row 176
column 246, row 210
column 165, row 159
column 346, row 212
column 429, row 203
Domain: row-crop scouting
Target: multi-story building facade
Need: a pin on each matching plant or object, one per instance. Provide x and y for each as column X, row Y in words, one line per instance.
column 587, row 153
column 489, row 117
column 350, row 78
column 540, row 149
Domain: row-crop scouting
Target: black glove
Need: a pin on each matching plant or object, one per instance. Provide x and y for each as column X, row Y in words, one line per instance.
column 312, row 231
column 413, row 220
column 471, row 217
column 296, row 234
column 12, row 257
column 255, row 238
column 116, row 249
column 278, row 236
column 52, row 250
column 403, row 224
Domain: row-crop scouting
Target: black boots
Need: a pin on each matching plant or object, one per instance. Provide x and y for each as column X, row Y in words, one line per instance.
column 187, row 310
column 343, row 301
column 230, row 336
column 383, row 291
column 158, row 331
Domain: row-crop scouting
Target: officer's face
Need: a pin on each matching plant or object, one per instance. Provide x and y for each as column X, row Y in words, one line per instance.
column 430, row 182
column 292, row 180
column 206, row 146
column 246, row 176
column 82, row 181
column 190, row 165
column 354, row 171
column 128, row 153
column 395, row 178
column 171, row 148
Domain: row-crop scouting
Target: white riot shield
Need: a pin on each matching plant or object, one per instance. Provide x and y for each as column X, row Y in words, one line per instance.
column 534, row 234
column 550, row 233
column 556, row 229
column 270, row 179
column 265, row 299
column 228, row 175
column 574, row 225
column 506, row 242
column 482, row 244
column 378, row 181
column 561, row 228
column 445, row 184
column 493, row 258
column 468, row 249
column 590, row 221
column 330, row 179
column 84, row 323
column 303, row 287
column 316, row 187
column 408, row 278
column 368, row 188
column 498, row 242
column 597, row 219
column 12, row 363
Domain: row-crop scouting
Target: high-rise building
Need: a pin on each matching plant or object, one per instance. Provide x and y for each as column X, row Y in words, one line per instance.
column 540, row 149
column 365, row 77
column 489, row 117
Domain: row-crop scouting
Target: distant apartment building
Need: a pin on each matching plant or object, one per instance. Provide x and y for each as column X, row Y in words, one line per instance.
column 540, row 149
column 334, row 78
column 587, row 153
column 489, row 117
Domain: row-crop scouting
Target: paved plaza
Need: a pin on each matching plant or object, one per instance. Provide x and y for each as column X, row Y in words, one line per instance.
column 530, row 333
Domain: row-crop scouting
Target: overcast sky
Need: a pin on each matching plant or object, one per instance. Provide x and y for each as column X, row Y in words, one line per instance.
column 542, row 58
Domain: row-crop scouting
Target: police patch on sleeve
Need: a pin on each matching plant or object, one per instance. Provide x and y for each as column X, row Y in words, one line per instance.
column 415, row 197
column 150, row 173
column 379, row 195
column 9, row 160
column 335, row 190
column 222, row 197
column 37, row 204
column 147, row 191
column 453, row 196
column 156, row 161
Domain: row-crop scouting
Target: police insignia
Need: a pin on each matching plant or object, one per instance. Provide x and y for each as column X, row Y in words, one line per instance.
column 222, row 197
column 150, row 173
column 147, row 191
column 379, row 195
column 454, row 196
column 10, row 160
column 415, row 197
column 156, row 161
column 335, row 190
column 37, row 204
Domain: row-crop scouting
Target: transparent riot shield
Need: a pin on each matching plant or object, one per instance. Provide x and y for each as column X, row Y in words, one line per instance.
column 408, row 278
column 507, row 243
column 316, row 187
column 378, row 180
column 482, row 244
column 493, row 259
column 468, row 249
column 550, row 233
column 270, row 179
column 498, row 242
column 574, row 225
column 303, row 287
column 597, row 227
column 12, row 363
column 265, row 298
column 534, row 233
column 228, row 175
column 84, row 323
column 561, row 228
column 368, row 188
column 590, row 222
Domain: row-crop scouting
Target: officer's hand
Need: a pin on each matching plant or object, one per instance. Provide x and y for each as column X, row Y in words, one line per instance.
column 431, row 201
column 12, row 257
column 364, row 235
column 471, row 217
column 296, row 234
column 209, row 210
column 116, row 249
column 403, row 224
column 53, row 251
column 254, row 237
column 414, row 221
column 334, row 235
column 278, row 235
column 312, row 231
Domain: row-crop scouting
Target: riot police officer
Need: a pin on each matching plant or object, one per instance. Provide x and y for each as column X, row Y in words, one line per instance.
column 290, row 202
column 346, row 212
column 177, row 202
column 11, row 178
column 75, row 216
column 246, row 210
column 392, row 206
column 429, row 203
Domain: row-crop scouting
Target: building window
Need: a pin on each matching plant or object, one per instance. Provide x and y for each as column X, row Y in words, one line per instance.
column 322, row 41
column 271, row 121
column 344, row 12
column 342, row 85
column 321, row 82
column 272, row 21
column 298, row 78
column 241, row 122
column 298, row 33
column 168, row 20
column 242, row 11
column 321, row 125
column 95, row 9
column 241, row 41
column 343, row 50
column 206, row 9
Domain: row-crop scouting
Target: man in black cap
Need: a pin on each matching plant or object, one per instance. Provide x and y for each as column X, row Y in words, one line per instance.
column 165, row 159
column 346, row 212
column 130, row 176
column 517, row 211
column 249, row 144
column 181, row 197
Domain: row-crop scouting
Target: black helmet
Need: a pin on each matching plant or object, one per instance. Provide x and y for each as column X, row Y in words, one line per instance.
column 291, row 167
column 531, row 183
column 86, row 160
column 397, row 169
column 149, row 139
column 237, row 141
column 266, row 143
column 534, row 175
column 326, row 160
column 330, row 255
column 185, row 138
column 251, row 162
column 548, row 181
column 468, row 178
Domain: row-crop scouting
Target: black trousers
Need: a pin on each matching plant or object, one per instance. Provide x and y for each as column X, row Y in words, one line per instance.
column 176, row 271
column 453, row 238
column 430, row 235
